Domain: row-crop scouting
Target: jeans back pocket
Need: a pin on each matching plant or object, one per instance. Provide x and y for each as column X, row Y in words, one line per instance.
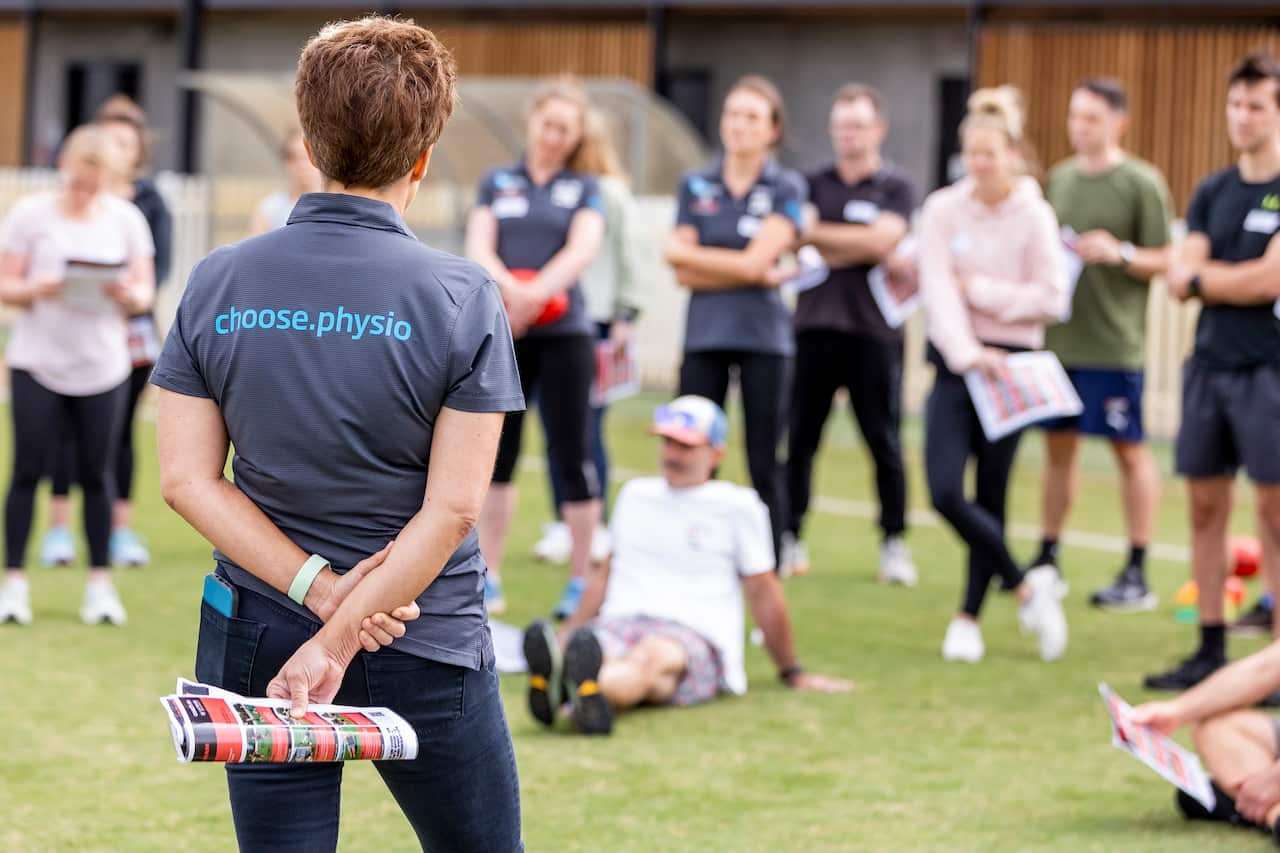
column 225, row 649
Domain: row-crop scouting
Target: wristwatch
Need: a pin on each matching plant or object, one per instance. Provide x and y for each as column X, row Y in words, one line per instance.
column 786, row 675
column 1127, row 253
column 1193, row 287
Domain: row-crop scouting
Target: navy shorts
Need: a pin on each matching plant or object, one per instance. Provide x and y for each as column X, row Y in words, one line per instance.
column 1112, row 404
column 1230, row 419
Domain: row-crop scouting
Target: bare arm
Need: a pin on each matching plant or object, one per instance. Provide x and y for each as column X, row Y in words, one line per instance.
column 136, row 292
column 482, row 244
column 592, row 599
column 729, row 268
column 15, row 290
column 1246, row 283
column 845, row 245
column 1149, row 263
column 769, row 607
column 1191, row 255
column 586, row 233
column 1239, row 685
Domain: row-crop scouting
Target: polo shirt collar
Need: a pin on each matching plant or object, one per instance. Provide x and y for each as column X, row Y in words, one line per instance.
column 347, row 209
column 768, row 173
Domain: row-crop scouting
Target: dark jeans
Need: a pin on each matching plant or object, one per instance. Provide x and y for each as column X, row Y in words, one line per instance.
column 953, row 435
column 460, row 794
column 871, row 370
column 63, row 465
column 599, row 453
column 765, row 381
column 39, row 418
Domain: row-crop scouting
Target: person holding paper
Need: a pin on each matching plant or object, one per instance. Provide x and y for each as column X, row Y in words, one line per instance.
column 662, row 622
column 734, row 220
column 1118, row 209
column 535, row 228
column 75, row 263
column 991, row 276
column 362, row 379
column 861, row 207
column 1230, row 262
column 1239, row 746
column 614, row 294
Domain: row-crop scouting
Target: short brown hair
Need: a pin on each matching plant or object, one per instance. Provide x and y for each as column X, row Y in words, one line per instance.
column 373, row 95
column 121, row 109
column 1255, row 68
column 850, row 92
column 1108, row 89
column 764, row 87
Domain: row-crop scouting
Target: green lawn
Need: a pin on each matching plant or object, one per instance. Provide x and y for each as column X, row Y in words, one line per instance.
column 1010, row 755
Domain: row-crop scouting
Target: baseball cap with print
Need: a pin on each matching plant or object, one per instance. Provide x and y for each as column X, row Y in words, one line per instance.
column 691, row 420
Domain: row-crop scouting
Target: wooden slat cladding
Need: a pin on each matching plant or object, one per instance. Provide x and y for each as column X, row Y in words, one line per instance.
column 535, row 48
column 13, row 85
column 1175, row 76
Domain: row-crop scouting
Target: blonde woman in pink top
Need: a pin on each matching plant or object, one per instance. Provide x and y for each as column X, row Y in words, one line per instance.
column 76, row 263
column 991, row 277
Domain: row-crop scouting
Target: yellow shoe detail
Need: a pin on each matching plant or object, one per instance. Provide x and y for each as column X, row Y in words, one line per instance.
column 537, row 682
column 588, row 688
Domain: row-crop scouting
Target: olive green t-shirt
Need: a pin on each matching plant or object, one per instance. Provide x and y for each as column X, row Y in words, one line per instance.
column 1108, row 325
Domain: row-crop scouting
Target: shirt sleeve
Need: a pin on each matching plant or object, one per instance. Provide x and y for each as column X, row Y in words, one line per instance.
column 592, row 198
column 178, row 369
column 16, row 232
column 482, row 372
column 138, row 233
column 947, row 315
column 1198, row 210
column 900, row 199
column 1154, row 213
column 484, row 192
column 753, row 535
column 790, row 199
column 684, row 203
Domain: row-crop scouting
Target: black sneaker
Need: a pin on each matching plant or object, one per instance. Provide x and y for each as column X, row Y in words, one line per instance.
column 1254, row 622
column 542, row 653
column 582, row 661
column 1224, row 809
column 1128, row 594
column 1186, row 675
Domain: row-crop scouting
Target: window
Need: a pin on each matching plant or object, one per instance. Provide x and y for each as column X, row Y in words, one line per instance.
column 88, row 84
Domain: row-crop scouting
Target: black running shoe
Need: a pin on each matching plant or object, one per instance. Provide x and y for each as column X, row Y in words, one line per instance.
column 582, row 661
column 1254, row 622
column 1224, row 809
column 1128, row 594
column 542, row 653
column 1186, row 675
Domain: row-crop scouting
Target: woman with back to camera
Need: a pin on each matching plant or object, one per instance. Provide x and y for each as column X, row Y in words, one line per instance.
column 536, row 226
column 362, row 379
column 614, row 294
column 76, row 263
column 991, row 277
column 734, row 219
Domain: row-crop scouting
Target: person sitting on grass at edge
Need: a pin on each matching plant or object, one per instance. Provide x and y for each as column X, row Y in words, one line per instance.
column 1239, row 746
column 661, row 622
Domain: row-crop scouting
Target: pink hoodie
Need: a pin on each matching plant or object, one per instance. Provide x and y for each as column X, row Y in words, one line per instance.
column 1010, row 259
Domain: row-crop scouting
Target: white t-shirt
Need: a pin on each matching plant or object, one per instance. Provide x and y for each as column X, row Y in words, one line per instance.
column 73, row 348
column 275, row 209
column 680, row 554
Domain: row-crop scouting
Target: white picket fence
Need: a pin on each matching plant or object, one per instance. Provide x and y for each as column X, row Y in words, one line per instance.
column 210, row 211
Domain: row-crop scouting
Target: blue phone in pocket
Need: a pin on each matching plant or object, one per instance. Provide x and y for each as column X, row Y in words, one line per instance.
column 221, row 595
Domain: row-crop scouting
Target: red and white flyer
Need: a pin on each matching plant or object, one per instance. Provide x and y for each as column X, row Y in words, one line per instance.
column 1177, row 765
column 1031, row 387
column 617, row 373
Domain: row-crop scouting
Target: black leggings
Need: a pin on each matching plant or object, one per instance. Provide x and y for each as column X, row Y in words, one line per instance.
column 871, row 371
column 64, row 457
column 38, row 416
column 560, row 371
column 952, row 435
column 765, row 380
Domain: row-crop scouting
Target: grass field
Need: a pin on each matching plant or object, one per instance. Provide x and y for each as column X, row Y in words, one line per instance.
column 1010, row 755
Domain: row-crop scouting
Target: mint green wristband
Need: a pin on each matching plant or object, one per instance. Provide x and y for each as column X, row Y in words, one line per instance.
column 306, row 576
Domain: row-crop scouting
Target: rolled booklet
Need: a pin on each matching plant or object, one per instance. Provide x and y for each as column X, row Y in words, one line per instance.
column 211, row 724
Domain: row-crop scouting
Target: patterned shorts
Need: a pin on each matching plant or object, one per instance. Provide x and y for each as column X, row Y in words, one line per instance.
column 704, row 670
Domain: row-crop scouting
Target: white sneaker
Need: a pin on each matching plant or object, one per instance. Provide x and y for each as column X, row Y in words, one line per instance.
column 556, row 545
column 963, row 642
column 794, row 556
column 895, row 563
column 101, row 604
column 15, row 601
column 601, row 544
column 1041, row 613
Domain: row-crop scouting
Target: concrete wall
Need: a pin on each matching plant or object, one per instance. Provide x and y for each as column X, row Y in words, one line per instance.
column 810, row 58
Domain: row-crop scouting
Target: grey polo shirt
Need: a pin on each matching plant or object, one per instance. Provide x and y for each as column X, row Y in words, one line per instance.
column 752, row 318
column 330, row 346
column 533, row 225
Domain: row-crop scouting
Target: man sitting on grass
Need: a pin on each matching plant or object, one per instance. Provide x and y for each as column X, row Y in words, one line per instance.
column 1239, row 746
column 662, row 621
